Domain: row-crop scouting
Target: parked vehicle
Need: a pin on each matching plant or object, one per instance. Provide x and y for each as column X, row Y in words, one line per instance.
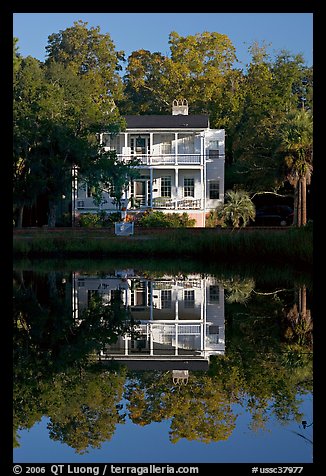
column 274, row 215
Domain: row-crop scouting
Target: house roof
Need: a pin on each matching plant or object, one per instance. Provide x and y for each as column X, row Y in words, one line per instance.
column 156, row 121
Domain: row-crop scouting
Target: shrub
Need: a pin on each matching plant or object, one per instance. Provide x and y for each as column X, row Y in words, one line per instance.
column 238, row 209
column 213, row 220
column 159, row 219
column 90, row 220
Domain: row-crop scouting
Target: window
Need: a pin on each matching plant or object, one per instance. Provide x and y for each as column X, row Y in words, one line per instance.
column 92, row 294
column 214, row 153
column 214, row 294
column 90, row 191
column 189, row 187
column 214, row 190
column 166, row 299
column 139, row 145
column 166, row 186
column 189, row 299
column 112, row 191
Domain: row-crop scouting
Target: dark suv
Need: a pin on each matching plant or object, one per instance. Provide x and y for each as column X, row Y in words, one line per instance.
column 274, row 215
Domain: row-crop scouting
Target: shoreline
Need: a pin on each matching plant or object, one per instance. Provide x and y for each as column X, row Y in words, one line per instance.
column 284, row 245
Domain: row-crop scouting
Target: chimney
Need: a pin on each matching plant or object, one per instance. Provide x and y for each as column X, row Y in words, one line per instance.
column 180, row 107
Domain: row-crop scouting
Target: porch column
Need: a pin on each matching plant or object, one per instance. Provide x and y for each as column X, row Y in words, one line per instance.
column 176, row 186
column 202, row 149
column 150, row 187
column 202, row 316
column 176, row 323
column 151, row 142
column 151, row 340
column 151, row 310
column 205, row 318
column 126, row 345
column 176, row 148
column 203, row 188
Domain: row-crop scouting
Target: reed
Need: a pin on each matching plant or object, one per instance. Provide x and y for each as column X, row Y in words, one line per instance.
column 292, row 246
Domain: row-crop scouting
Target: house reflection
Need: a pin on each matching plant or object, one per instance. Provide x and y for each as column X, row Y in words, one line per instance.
column 180, row 318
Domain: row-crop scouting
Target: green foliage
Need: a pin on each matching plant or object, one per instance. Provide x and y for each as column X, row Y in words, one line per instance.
column 270, row 89
column 159, row 219
column 90, row 220
column 238, row 208
column 263, row 371
column 291, row 246
column 296, row 144
column 58, row 108
column 60, row 105
column 112, row 175
column 198, row 69
column 213, row 219
column 92, row 55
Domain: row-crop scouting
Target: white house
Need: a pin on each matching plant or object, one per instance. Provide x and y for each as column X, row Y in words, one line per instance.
column 182, row 165
column 180, row 318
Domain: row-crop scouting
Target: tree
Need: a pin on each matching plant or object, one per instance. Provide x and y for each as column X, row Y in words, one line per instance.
column 111, row 175
column 91, row 54
column 296, row 149
column 238, row 208
column 76, row 100
column 55, row 374
column 197, row 70
column 84, row 408
column 198, row 411
column 29, row 87
column 16, row 56
column 271, row 88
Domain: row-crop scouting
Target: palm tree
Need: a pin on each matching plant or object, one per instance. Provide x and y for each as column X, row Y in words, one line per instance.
column 296, row 147
column 238, row 208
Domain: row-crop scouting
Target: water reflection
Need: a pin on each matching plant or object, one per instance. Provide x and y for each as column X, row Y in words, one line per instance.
column 180, row 319
column 96, row 350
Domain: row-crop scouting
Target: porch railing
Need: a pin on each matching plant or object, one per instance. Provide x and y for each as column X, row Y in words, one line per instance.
column 177, row 204
column 165, row 159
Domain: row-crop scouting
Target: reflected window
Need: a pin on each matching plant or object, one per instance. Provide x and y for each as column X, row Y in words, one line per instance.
column 91, row 293
column 166, row 299
column 189, row 298
column 214, row 294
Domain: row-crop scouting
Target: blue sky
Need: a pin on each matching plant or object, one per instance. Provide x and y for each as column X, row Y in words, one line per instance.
column 132, row 31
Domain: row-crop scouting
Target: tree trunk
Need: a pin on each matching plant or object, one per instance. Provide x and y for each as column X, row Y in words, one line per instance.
column 20, row 217
column 304, row 200
column 303, row 301
column 295, row 205
column 52, row 214
column 299, row 203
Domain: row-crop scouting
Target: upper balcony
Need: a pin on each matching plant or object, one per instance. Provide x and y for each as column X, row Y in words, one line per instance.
column 165, row 159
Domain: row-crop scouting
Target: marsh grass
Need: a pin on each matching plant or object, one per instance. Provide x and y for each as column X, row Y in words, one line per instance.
column 282, row 247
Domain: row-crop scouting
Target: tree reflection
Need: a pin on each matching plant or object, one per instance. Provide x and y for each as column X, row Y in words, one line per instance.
column 54, row 372
column 198, row 411
column 267, row 364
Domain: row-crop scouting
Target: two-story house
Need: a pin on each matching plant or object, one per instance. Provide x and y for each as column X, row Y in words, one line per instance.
column 181, row 165
column 180, row 319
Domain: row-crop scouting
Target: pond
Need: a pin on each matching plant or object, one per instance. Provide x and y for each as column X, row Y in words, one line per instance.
column 134, row 362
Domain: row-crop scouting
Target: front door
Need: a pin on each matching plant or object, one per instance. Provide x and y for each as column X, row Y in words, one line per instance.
column 140, row 192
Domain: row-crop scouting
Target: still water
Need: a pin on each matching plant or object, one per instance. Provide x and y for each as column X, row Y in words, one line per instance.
column 153, row 363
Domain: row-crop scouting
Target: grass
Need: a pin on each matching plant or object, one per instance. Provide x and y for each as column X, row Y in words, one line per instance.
column 292, row 246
